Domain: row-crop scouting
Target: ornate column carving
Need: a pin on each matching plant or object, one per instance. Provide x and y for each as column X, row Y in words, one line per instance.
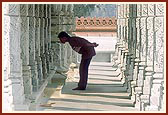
column 13, row 80
column 156, row 98
column 32, row 61
column 37, row 46
column 24, row 39
column 42, row 43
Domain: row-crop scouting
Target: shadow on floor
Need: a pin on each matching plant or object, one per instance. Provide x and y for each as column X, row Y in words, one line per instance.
column 93, row 102
column 69, row 109
column 100, row 95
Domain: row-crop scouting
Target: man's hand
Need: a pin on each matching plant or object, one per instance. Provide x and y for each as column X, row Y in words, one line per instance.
column 95, row 44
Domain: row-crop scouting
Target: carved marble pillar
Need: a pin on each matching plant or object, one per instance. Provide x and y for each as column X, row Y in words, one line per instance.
column 56, row 27
column 24, row 38
column 42, row 42
column 37, row 46
column 143, row 56
column 46, row 45
column 115, row 57
column 130, row 55
column 46, row 39
column 32, row 61
column 134, row 57
column 140, row 84
column 156, row 98
column 137, row 71
column 7, row 100
column 49, row 37
column 13, row 87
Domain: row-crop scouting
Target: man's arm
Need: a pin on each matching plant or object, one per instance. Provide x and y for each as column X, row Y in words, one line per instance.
column 92, row 44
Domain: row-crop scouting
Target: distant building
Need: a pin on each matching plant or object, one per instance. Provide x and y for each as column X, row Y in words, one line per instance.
column 92, row 26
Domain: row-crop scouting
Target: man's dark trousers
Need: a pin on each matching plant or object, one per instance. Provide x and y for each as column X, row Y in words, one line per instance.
column 83, row 71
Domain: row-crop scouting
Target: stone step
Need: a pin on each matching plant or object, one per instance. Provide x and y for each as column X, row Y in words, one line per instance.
column 96, row 81
column 103, row 68
column 101, row 64
column 104, row 73
column 104, row 78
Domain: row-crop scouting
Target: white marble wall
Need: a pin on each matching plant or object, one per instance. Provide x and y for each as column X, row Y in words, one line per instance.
column 144, row 56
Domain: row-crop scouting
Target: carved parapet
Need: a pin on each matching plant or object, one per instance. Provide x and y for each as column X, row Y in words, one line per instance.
column 145, row 97
column 144, row 101
column 137, row 102
column 156, row 95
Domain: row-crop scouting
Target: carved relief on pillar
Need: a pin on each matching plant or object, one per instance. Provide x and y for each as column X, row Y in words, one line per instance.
column 156, row 96
column 24, row 40
column 130, row 10
column 159, row 41
column 15, row 44
column 134, row 37
column 157, row 92
column 70, row 9
column 138, row 44
column 23, row 9
column 150, row 41
column 15, row 71
column 37, row 50
column 134, row 9
column 53, row 9
column 46, row 45
column 37, row 37
column 49, row 41
column 41, row 36
column 59, row 9
column 125, row 11
column 45, row 10
column 36, row 10
column 160, row 9
column 31, row 40
column 25, row 56
column 139, row 10
column 11, row 9
column 31, row 11
column 6, row 47
column 41, row 10
column 126, row 31
column 49, row 10
column 144, row 9
column 57, row 53
column 119, row 11
column 143, row 39
column 7, row 101
column 32, row 50
column 151, row 9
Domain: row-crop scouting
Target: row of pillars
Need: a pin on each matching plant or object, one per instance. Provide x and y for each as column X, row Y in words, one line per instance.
column 140, row 53
column 30, row 50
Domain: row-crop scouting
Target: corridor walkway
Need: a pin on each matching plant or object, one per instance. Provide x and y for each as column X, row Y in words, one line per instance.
column 105, row 92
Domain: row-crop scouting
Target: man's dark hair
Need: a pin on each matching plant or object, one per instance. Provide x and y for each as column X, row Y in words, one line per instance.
column 63, row 34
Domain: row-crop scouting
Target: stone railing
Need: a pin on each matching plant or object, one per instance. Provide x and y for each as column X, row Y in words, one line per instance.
column 140, row 51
